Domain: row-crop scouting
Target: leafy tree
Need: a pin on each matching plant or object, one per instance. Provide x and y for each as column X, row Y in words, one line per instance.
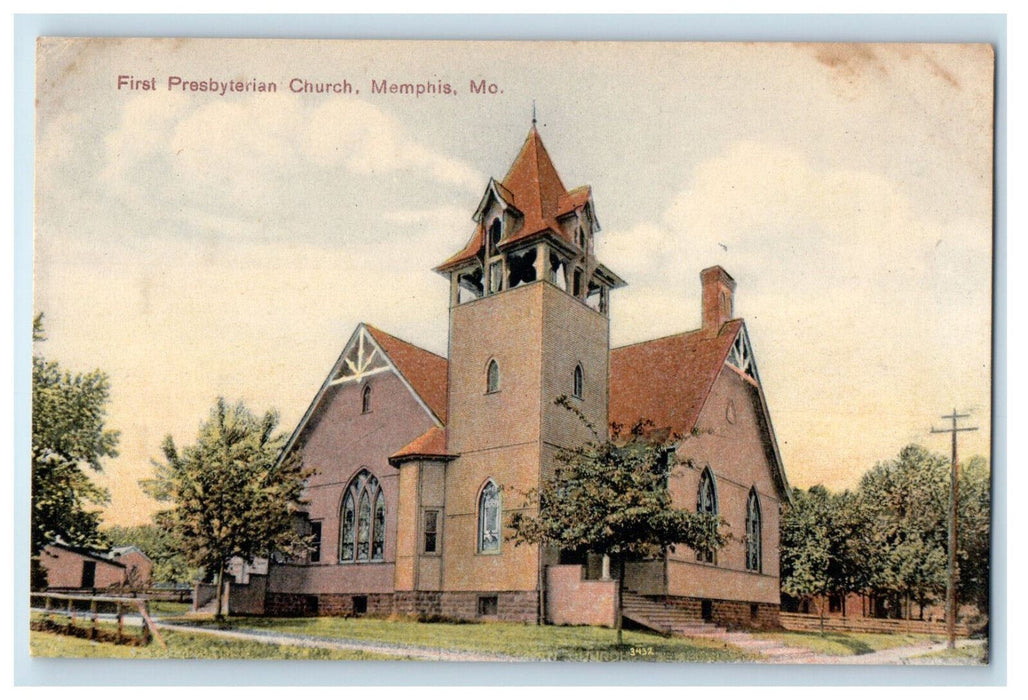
column 69, row 439
column 230, row 495
column 906, row 502
column 610, row 496
column 973, row 530
column 805, row 546
column 170, row 565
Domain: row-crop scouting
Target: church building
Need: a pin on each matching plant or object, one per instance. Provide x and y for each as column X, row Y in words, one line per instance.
column 419, row 458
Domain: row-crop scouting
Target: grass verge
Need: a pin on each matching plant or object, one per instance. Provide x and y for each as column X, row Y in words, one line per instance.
column 185, row 646
column 531, row 642
column 846, row 643
column 972, row 654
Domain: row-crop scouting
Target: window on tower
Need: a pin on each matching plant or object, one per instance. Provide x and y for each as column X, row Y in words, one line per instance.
column 495, row 277
column 578, row 382
column 492, row 377
column 495, row 230
column 489, row 518
column 558, row 272
column 469, row 285
column 521, row 268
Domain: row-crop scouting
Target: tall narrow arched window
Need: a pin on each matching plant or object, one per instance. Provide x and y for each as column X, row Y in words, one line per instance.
column 489, row 512
column 366, row 399
column 495, row 229
column 753, row 533
column 362, row 520
column 492, row 377
column 578, row 382
column 706, row 502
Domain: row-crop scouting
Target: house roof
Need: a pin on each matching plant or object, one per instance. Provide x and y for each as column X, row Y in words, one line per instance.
column 84, row 552
column 667, row 380
column 425, row 370
column 534, row 188
column 127, row 549
column 429, row 445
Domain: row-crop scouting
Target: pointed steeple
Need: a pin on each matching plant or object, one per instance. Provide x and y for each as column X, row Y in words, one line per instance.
column 533, row 180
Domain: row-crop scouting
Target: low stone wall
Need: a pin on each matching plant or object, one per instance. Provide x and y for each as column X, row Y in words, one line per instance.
column 511, row 606
column 290, row 605
column 418, row 603
column 800, row 622
column 730, row 613
column 573, row 600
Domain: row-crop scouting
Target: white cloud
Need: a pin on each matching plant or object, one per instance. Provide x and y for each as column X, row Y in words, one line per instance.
column 857, row 306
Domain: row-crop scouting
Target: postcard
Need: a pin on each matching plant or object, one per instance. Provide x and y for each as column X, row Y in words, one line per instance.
column 440, row 350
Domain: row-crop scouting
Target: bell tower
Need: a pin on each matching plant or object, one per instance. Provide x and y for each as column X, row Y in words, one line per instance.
column 529, row 322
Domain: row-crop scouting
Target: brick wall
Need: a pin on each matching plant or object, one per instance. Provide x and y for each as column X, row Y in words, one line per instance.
column 573, row 600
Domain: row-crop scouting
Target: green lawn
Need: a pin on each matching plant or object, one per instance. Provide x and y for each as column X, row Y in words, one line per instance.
column 526, row 641
column 169, row 608
column 846, row 643
column 184, row 646
column 977, row 654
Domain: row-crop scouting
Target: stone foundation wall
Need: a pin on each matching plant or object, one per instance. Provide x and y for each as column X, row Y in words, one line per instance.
column 418, row 603
column 290, row 605
column 731, row 613
column 326, row 604
column 511, row 606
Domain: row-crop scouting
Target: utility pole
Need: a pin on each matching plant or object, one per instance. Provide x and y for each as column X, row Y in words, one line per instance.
column 951, row 579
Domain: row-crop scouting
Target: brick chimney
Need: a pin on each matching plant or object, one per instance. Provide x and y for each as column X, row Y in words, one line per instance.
column 718, row 290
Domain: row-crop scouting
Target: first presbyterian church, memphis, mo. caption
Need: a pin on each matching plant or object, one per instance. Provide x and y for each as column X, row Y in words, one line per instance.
column 418, row 456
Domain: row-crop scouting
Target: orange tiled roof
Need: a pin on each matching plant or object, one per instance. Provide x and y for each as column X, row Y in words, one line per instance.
column 425, row 370
column 667, row 379
column 431, row 443
column 534, row 187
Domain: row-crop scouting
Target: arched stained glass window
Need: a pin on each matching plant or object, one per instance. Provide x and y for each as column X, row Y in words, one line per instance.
column 492, row 377
column 489, row 518
column 753, row 533
column 579, row 382
column 362, row 520
column 706, row 502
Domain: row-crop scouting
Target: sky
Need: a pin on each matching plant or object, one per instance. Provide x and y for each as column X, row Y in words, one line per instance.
column 196, row 245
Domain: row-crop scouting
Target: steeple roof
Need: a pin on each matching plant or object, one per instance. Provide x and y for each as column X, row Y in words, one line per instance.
column 533, row 189
column 533, row 180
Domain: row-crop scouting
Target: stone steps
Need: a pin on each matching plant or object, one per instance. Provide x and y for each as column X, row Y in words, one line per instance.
column 666, row 619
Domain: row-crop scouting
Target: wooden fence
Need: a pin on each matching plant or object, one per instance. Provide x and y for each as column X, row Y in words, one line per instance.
column 90, row 609
column 800, row 622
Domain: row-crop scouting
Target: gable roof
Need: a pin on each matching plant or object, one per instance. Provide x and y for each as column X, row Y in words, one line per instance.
column 668, row 380
column 533, row 188
column 423, row 372
column 85, row 552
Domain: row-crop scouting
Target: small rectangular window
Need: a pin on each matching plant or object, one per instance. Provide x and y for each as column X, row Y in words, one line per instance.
column 315, row 551
column 431, row 531
column 487, row 605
